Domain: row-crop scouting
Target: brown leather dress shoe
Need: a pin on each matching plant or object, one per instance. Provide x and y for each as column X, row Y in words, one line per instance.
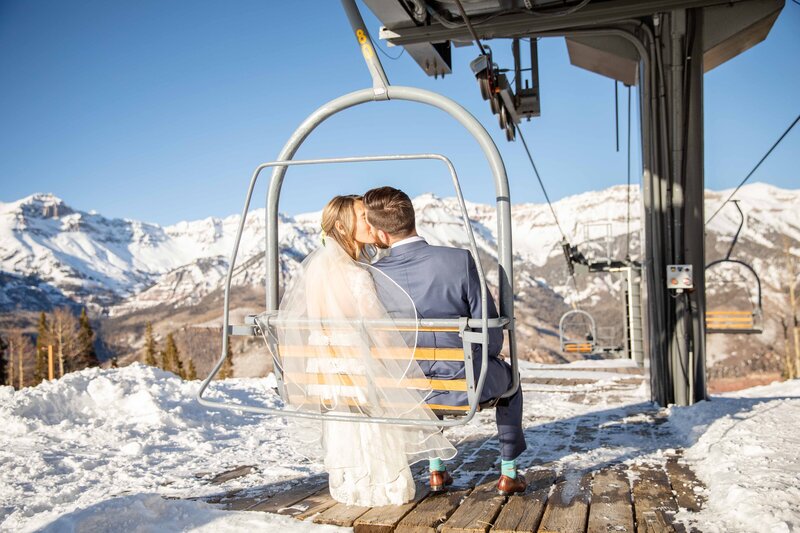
column 440, row 480
column 508, row 485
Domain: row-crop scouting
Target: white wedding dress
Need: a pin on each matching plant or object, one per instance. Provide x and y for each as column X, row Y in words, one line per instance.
column 350, row 368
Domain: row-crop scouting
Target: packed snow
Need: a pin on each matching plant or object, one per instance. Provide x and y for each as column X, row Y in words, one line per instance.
column 123, row 449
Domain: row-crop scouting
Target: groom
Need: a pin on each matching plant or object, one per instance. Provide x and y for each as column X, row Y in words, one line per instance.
column 443, row 283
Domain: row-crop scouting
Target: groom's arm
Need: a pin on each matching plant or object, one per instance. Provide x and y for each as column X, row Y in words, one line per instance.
column 473, row 291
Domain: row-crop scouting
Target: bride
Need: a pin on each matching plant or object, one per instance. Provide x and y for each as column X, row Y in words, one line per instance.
column 334, row 363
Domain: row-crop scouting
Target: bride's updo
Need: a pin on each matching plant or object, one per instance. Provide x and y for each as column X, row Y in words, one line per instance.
column 339, row 222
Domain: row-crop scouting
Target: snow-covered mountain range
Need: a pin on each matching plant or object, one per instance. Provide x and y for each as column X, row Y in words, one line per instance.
column 50, row 253
column 53, row 255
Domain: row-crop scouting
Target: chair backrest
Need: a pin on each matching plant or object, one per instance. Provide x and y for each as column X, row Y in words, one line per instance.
column 324, row 378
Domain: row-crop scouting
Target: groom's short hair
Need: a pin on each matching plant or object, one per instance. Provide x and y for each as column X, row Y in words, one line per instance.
column 390, row 210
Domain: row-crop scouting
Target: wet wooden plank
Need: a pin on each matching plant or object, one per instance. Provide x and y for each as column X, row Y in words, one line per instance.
column 655, row 522
column 480, row 465
column 239, row 471
column 685, row 484
column 384, row 519
column 523, row 512
column 314, row 504
column 244, row 500
column 477, row 512
column 289, row 495
column 653, row 502
column 432, row 512
column 611, row 507
column 567, row 508
column 340, row 515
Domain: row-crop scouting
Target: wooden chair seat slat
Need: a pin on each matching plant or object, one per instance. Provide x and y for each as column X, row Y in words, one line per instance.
column 349, row 380
column 578, row 347
column 420, row 354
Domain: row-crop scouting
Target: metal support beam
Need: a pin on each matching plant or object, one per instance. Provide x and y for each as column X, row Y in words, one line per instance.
column 515, row 24
column 694, row 214
column 677, row 188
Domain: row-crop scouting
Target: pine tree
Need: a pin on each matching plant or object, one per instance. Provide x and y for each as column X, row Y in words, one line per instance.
column 149, row 346
column 87, row 356
column 227, row 367
column 42, row 340
column 191, row 372
column 170, row 360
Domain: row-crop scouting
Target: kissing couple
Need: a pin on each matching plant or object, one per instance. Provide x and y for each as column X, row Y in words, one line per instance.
column 340, row 352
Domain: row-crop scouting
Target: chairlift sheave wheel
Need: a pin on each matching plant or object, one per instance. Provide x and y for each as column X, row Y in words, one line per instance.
column 494, row 103
column 502, row 117
column 511, row 132
column 486, row 87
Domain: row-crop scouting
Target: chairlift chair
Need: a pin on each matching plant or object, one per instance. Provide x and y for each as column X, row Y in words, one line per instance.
column 472, row 331
column 736, row 320
column 571, row 343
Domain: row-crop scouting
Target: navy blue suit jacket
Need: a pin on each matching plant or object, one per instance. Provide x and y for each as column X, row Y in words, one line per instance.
column 443, row 283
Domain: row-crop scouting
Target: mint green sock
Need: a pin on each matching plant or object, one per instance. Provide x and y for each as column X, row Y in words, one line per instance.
column 436, row 465
column 509, row 468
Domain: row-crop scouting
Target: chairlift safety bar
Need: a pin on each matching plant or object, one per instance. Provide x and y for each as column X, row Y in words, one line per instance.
column 464, row 324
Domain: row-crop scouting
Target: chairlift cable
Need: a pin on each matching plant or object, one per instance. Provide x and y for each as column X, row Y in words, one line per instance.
column 796, row 120
column 470, row 28
column 385, row 53
column 549, row 203
column 541, row 184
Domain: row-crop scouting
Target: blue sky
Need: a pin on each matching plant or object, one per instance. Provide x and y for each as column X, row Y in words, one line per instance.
column 159, row 111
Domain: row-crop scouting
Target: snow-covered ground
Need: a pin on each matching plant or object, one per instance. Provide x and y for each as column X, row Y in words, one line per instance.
column 109, row 450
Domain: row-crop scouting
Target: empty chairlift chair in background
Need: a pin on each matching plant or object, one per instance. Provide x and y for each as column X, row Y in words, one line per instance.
column 577, row 332
column 742, row 311
column 471, row 330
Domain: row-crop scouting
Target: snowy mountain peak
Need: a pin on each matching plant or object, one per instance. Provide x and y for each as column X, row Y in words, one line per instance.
column 38, row 205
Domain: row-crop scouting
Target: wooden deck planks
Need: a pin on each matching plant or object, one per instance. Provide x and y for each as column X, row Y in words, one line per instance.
column 312, row 505
column 432, row 512
column 239, row 471
column 340, row 515
column 684, row 482
column 385, row 519
column 477, row 512
column 652, row 500
column 611, row 506
column 567, row 509
column 523, row 512
column 286, row 498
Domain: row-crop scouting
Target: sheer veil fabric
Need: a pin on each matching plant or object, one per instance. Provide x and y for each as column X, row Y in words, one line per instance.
column 357, row 369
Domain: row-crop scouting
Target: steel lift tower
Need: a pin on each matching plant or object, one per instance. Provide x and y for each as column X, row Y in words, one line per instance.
column 664, row 46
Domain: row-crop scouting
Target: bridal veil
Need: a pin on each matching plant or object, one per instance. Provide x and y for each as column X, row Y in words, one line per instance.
column 332, row 361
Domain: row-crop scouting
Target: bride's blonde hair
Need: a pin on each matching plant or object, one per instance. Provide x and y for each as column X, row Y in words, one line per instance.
column 342, row 209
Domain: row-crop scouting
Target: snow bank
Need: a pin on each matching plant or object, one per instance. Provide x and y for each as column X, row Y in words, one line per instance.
column 97, row 433
column 745, row 447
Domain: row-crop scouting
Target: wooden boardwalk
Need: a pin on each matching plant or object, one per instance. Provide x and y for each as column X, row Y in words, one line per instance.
column 613, row 492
